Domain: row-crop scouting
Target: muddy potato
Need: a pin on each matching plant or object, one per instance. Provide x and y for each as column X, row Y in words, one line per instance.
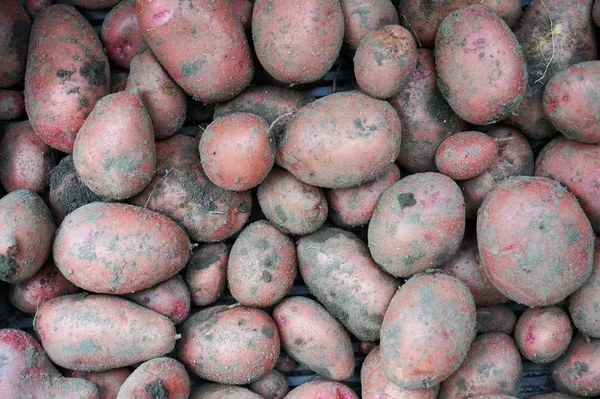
column 466, row 155
column 108, row 382
column 321, row 389
column 362, row 17
column 498, row 318
column 206, row 273
column 578, row 370
column 159, row 377
column 14, row 38
column 584, row 304
column 271, row 386
column 121, row 34
column 12, row 104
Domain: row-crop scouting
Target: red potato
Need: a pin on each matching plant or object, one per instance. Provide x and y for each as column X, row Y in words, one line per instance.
column 36, row 7
column 340, row 141
column 310, row 335
column 285, row 363
column 492, row 366
column 243, row 11
column 543, row 334
column 535, row 243
column 481, row 69
column 162, row 98
column 367, row 347
column 181, row 191
column 12, row 105
column 108, row 382
column 26, row 235
column 118, row 248
column 116, row 160
column 362, row 17
column 584, row 304
column 206, row 273
column 215, row 64
column 14, row 38
column 498, row 318
column 425, row 116
column 157, row 378
column 222, row 391
column 578, row 370
column 418, row 224
column 229, row 345
column 67, row 73
column 100, row 332
column 466, row 155
column 95, row 4
column 26, row 371
column 385, row 61
column 322, row 390
column 118, row 81
column 121, row 34
column 271, row 386
column 297, row 42
column 47, row 283
column 25, row 160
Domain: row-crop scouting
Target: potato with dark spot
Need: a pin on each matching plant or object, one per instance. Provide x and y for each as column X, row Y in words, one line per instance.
column 271, row 386
column 285, row 363
column 222, row 391
column 108, row 382
column 498, row 318
column 535, row 243
column 418, row 224
column 229, row 345
column 543, row 334
column 157, row 378
column 339, row 271
column 12, row 105
column 427, row 330
column 121, row 34
column 466, row 155
column 578, row 370
column 14, row 38
column 584, row 304
column 206, row 273
column 362, row 17
column 322, row 390
column 310, row 335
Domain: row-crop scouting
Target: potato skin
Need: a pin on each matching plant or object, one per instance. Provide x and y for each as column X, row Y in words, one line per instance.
column 498, row 318
column 229, row 346
column 418, row 224
column 340, row 141
column 313, row 337
column 556, row 395
column 427, row 330
column 206, row 273
column 362, row 17
column 86, row 332
column 466, row 155
column 67, row 73
column 339, row 271
column 14, row 38
column 578, row 370
column 222, row 391
column 584, row 304
column 35, row 7
column 117, row 249
column 243, row 11
column 321, row 389
column 95, row 4
column 285, row 363
column 160, row 377
column 216, row 64
column 121, row 34
column 12, row 104
column 270, row 386
column 492, row 366
column 527, row 224
column 108, row 382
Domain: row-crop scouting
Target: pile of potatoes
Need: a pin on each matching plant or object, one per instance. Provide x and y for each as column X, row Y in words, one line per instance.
column 457, row 175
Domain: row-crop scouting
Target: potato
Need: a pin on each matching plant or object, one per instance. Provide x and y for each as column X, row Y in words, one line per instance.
column 181, row 190
column 367, row 347
column 229, row 345
column 157, row 378
column 385, row 61
column 481, row 69
column 584, row 304
column 555, row 395
column 28, row 373
column 291, row 205
column 426, row 117
column 285, row 363
column 67, row 73
column 262, row 265
column 47, row 283
column 118, row 81
column 515, row 158
column 116, row 159
column 418, row 224
column 215, row 64
column 535, row 243
column 100, row 332
column 35, row 7
column 162, row 98
column 575, row 166
column 339, row 271
column 363, row 17
column 118, row 248
column 578, row 370
column 25, row 160
column 310, row 335
column 222, row 391
column 340, row 141
column 14, row 38
column 376, row 385
column 95, row 4
column 466, row 155
column 121, row 34
column 427, row 330
column 270, row 386
column 12, row 104
column 322, row 390
column 492, row 366
column 493, row 397
column 206, row 273
column 557, row 30
column 243, row 11
column 498, row 318
column 26, row 235
column 108, row 382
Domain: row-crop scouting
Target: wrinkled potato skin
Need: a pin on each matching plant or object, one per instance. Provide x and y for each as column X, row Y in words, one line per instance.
column 14, row 38
column 108, row 382
column 121, row 34
column 206, row 273
column 578, row 370
column 466, row 155
column 498, row 318
column 584, row 304
column 156, row 377
column 322, row 389
column 362, row 17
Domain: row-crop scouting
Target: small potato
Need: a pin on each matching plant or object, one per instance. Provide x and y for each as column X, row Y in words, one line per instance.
column 157, row 378
column 313, row 337
column 271, row 386
column 108, row 382
column 14, row 38
column 118, row 81
column 492, row 366
column 362, row 17
column 262, row 265
column 466, row 155
column 12, row 105
column 237, row 151
column 25, row 160
column 101, row 332
column 543, row 334
column 584, row 304
column 206, row 273
column 95, row 4
column 285, row 363
column 35, row 7
column 499, row 318
column 418, row 224
column 26, row 235
column 222, row 391
column 243, row 11
column 121, row 34
column 291, row 205
column 322, row 390
column 578, row 370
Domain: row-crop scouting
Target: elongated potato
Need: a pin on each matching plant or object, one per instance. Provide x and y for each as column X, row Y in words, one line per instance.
column 206, row 273
column 578, row 370
column 584, row 304
column 322, row 390
column 157, row 378
column 14, row 38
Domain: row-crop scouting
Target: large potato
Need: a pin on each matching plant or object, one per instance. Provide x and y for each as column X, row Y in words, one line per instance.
column 584, row 304
column 578, row 370
column 15, row 27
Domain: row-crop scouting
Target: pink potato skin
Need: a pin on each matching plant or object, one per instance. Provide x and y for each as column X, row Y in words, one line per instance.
column 206, row 273
column 35, row 7
column 26, row 371
column 498, row 318
column 481, row 70
column 271, row 386
column 12, row 105
column 121, row 34
column 578, row 370
column 160, row 377
column 425, row 116
column 322, row 390
column 14, row 38
column 243, row 11
column 86, row 332
column 25, row 160
column 535, row 242
column 108, row 382
column 584, row 304
column 118, row 249
column 362, row 17
column 222, row 391
column 215, row 65
column 67, row 73
column 466, row 155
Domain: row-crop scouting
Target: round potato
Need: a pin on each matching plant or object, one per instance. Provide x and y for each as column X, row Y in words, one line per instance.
column 206, row 273
column 157, row 378
column 12, row 105
column 362, row 17
column 584, row 304
column 121, row 34
column 466, row 155
column 271, row 386
column 578, row 370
